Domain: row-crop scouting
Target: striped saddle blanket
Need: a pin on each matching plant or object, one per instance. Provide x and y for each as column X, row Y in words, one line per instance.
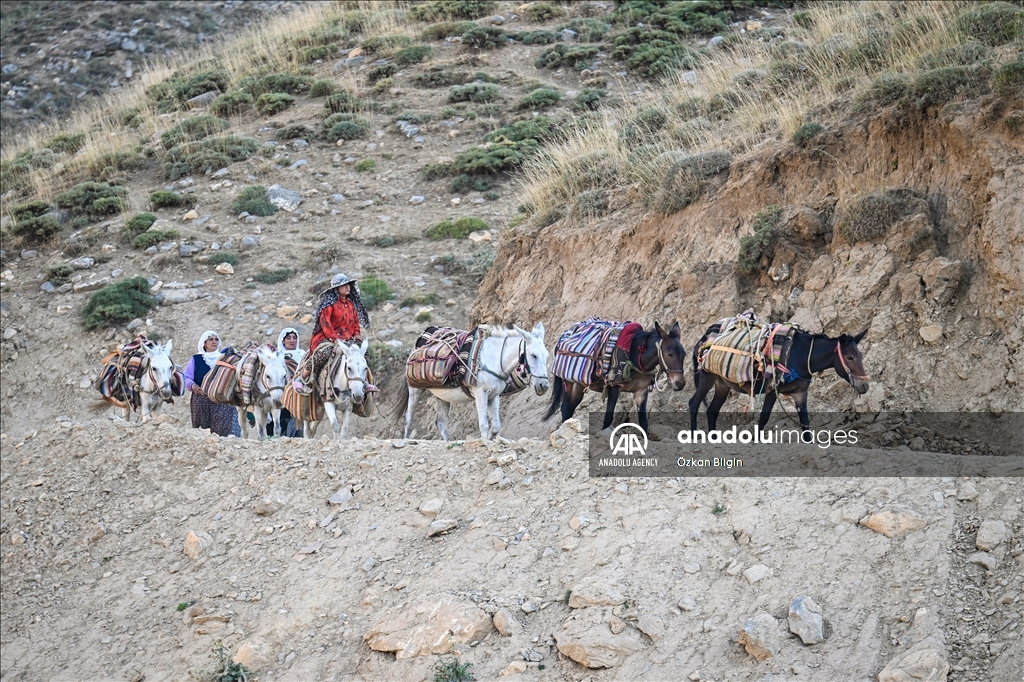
column 583, row 352
column 307, row 408
column 122, row 370
column 470, row 366
column 747, row 348
column 221, row 382
column 434, row 363
column 247, row 371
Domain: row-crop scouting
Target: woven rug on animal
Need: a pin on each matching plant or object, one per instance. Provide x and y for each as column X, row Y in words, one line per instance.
column 307, row 407
column 247, row 371
column 221, row 381
column 122, row 370
column 748, row 348
column 470, row 367
column 434, row 363
column 583, row 352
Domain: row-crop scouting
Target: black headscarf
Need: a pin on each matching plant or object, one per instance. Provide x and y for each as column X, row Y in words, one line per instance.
column 330, row 297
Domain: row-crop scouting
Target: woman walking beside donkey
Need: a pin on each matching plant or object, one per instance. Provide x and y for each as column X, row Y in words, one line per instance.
column 206, row 414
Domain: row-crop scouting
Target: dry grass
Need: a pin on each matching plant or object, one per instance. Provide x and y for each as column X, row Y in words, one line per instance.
column 752, row 94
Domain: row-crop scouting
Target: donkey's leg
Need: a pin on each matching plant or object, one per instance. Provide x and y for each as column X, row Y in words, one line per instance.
column 309, row 429
column 441, row 418
column 243, row 422
column 721, row 393
column 332, row 416
column 571, row 399
column 609, row 409
column 261, row 422
column 414, row 396
column 766, row 409
column 801, row 407
column 640, row 400
column 493, row 406
column 345, row 420
column 275, row 414
column 481, row 413
column 704, row 383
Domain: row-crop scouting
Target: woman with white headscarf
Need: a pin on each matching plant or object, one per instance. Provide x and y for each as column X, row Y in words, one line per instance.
column 206, row 414
column 288, row 341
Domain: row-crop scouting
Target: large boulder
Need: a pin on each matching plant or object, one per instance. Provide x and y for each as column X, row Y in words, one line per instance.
column 428, row 627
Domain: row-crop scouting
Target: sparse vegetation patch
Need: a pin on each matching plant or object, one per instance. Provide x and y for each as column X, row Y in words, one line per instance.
column 871, row 214
column 117, row 303
column 253, row 200
column 756, row 249
column 191, row 129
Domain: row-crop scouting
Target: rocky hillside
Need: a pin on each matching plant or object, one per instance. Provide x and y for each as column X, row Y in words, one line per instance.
column 58, row 56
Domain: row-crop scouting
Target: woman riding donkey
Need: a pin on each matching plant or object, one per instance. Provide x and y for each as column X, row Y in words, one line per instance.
column 338, row 318
column 206, row 414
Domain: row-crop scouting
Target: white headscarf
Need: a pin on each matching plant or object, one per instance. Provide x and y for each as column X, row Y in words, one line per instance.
column 296, row 354
column 210, row 358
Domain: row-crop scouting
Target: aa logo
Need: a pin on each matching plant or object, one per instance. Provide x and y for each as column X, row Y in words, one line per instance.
column 629, row 440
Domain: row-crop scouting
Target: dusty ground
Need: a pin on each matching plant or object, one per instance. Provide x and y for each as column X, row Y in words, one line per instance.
column 96, row 513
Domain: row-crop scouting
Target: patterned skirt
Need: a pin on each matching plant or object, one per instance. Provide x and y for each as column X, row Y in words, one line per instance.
column 219, row 418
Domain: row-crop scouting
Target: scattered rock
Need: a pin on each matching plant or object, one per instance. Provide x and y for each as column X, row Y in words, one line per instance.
column 430, row 626
column 616, row 625
column 196, row 542
column 592, row 644
column 254, row 654
column 285, row 199
column 10, row 333
column 93, row 285
column 514, row 668
column 566, row 433
column 187, row 250
column 967, row 492
column 225, row 303
column 174, row 296
column 288, row 312
column 47, row 287
column 249, row 242
column 191, row 215
column 416, row 199
column 757, row 572
column 894, row 523
column 922, row 665
column 759, row 636
column 687, row 603
column 983, row 559
column 341, row 497
column 225, row 269
column 990, row 534
column 495, row 477
column 479, row 236
column 932, row 333
column 203, row 100
column 270, row 504
column 83, row 263
column 595, row 591
column 431, row 507
column 805, row 620
column 441, row 526
column 505, row 623
column 942, row 278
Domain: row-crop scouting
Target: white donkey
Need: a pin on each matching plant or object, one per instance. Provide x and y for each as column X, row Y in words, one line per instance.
column 154, row 386
column 502, row 353
column 346, row 390
column 269, row 378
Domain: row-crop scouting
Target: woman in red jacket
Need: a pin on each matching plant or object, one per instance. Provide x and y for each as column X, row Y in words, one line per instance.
column 338, row 318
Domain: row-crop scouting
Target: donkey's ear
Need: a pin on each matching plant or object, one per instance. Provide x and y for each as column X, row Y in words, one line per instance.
column 169, row 346
column 364, row 346
column 661, row 332
column 674, row 332
column 860, row 336
column 538, row 330
column 520, row 330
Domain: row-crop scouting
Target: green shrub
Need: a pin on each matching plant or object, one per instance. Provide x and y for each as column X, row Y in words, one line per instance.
column 491, row 196
column 958, row 55
column 342, row 102
column 253, row 200
column 59, row 274
column 1014, row 122
column 644, row 125
column 436, row 10
column 373, row 291
column 1008, row 80
column 383, row 46
column 446, row 29
column 15, row 173
column 381, row 72
column 32, row 209
column 365, row 165
column 191, row 129
column 295, row 131
column 223, row 257
column 464, row 184
column 484, row 37
column 590, row 203
column 413, row 54
column 153, row 237
column 541, row 12
column 566, row 55
column 939, row 86
column 273, row 103
column 993, row 23
column 474, row 92
column 231, row 103
column 886, row 89
column 166, row 199
column 686, row 179
column 587, row 30
column 652, row 53
column 438, row 77
column 37, row 229
column 803, row 19
column 383, row 86
column 111, row 165
column 756, row 249
column 422, row 316
column 538, row 128
column 290, row 83
column 322, row 88
column 420, row 299
column 117, row 303
column 309, row 55
column 680, row 18
column 540, row 37
column 138, row 223
column 347, row 130
column 131, row 118
column 172, row 93
column 93, row 200
column 541, row 98
column 447, row 229
column 67, row 143
column 273, row 276
column 871, row 214
column 213, row 152
column 589, row 99
column 805, row 133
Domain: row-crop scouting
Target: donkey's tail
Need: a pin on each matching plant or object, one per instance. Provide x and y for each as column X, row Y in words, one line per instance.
column 401, row 403
column 556, row 398
column 713, row 329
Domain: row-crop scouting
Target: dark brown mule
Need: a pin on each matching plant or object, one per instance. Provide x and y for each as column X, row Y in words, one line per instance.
column 810, row 353
column 651, row 352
